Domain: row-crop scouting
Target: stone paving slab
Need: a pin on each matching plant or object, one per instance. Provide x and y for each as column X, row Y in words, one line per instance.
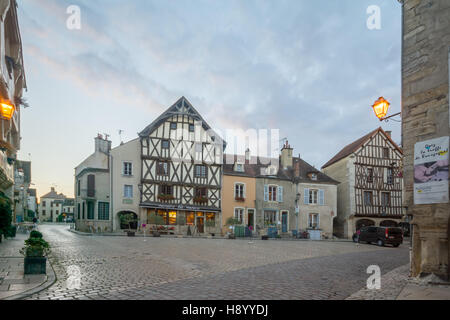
column 417, row 292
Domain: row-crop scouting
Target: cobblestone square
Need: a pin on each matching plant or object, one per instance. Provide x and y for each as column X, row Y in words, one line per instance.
column 115, row 267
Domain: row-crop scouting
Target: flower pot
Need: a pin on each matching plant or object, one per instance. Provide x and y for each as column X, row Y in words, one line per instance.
column 266, row 237
column 131, row 233
column 35, row 265
column 231, row 236
column 156, row 234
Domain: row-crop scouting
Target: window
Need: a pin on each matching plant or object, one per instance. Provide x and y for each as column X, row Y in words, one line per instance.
column 200, row 171
column 91, row 185
column 390, row 176
column 90, row 210
column 270, row 217
column 239, row 214
column 272, row 193
column 313, row 196
column 162, row 168
column 385, row 199
column 43, row 203
column 165, row 189
column 165, row 144
column 386, row 153
column 201, row 192
column 127, row 169
column 57, row 212
column 368, row 198
column 313, row 220
column 173, row 126
column 211, row 219
column 239, row 191
column 51, row 204
column 172, row 217
column 79, row 187
column 191, row 128
column 103, row 211
column 78, row 211
column 190, row 218
column 369, row 175
column 43, row 212
column 128, row 191
column 84, row 209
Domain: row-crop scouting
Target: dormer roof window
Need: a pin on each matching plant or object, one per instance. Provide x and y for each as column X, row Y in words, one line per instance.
column 239, row 167
column 314, row 176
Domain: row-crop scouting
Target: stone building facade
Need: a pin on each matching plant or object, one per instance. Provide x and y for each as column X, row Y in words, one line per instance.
column 425, row 113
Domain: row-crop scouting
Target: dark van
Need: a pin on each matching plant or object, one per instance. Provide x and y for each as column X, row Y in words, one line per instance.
column 380, row 235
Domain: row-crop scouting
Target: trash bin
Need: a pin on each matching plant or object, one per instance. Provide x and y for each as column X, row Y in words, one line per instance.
column 294, row 233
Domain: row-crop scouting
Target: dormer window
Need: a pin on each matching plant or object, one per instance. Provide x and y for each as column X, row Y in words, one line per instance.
column 239, row 167
column 314, row 176
column 173, row 126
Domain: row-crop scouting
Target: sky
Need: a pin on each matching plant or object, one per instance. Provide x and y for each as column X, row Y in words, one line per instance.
column 311, row 69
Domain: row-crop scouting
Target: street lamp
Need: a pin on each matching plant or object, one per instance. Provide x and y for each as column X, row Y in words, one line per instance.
column 381, row 107
column 7, row 110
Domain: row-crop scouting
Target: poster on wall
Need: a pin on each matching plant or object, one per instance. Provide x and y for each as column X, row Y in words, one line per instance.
column 431, row 171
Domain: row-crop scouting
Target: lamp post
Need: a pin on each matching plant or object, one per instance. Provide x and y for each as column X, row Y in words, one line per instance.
column 381, row 107
column 297, row 210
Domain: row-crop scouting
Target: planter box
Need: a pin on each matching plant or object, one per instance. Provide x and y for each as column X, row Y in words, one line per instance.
column 131, row 234
column 35, row 265
column 265, row 237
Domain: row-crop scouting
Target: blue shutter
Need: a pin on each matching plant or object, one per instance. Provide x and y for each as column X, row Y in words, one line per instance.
column 280, row 194
column 321, row 197
column 306, row 196
column 266, row 192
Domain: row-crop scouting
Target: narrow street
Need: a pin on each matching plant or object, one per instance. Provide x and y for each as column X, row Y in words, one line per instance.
column 115, row 267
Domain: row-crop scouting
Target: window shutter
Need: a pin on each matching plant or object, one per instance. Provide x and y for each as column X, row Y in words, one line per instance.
column 244, row 190
column 266, row 192
column 321, row 197
column 91, row 185
column 306, row 196
column 318, row 221
column 280, row 194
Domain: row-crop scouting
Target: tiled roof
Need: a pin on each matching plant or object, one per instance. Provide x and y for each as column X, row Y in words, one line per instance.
column 54, row 195
column 253, row 169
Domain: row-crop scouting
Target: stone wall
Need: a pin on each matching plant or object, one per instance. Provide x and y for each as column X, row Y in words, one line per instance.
column 425, row 112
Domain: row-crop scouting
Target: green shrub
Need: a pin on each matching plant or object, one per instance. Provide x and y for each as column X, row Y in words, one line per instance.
column 35, row 234
column 35, row 247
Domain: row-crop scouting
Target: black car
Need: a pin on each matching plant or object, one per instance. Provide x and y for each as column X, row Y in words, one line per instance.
column 380, row 235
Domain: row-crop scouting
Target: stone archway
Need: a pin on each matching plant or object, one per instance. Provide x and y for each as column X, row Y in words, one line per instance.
column 388, row 223
column 364, row 223
column 132, row 225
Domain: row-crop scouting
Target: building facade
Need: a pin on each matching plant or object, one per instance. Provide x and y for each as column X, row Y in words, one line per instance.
column 12, row 84
column 371, row 184
column 51, row 206
column 425, row 115
column 92, row 189
column 181, row 178
column 22, row 181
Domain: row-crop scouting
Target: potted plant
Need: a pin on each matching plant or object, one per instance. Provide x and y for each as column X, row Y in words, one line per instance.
column 157, row 221
column 35, row 251
column 232, row 222
column 128, row 219
column 200, row 199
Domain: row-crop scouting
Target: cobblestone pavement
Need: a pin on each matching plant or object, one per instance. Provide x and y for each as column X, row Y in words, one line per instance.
column 179, row 268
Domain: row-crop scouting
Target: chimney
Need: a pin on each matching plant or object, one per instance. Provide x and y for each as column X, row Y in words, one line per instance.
column 247, row 155
column 388, row 133
column 102, row 144
column 286, row 156
column 52, row 189
column 297, row 168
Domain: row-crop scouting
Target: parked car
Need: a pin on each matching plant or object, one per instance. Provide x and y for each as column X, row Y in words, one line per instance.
column 379, row 235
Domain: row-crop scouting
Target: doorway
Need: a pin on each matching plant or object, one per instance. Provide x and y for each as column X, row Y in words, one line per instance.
column 250, row 218
column 284, row 221
column 200, row 224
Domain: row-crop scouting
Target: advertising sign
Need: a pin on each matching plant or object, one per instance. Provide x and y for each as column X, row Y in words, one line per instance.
column 431, row 171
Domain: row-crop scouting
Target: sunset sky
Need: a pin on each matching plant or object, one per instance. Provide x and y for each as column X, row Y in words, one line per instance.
column 309, row 68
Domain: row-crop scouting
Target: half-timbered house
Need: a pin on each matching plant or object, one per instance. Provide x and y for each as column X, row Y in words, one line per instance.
column 370, row 192
column 181, row 170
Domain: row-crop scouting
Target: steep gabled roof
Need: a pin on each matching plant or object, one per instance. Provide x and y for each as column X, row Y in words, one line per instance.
column 355, row 145
column 183, row 108
column 54, row 195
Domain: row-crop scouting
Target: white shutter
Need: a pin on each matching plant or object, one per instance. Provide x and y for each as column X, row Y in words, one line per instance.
column 321, row 197
column 280, row 194
column 244, row 190
column 306, row 196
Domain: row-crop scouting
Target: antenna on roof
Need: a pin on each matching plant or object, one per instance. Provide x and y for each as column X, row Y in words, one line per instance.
column 106, row 136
